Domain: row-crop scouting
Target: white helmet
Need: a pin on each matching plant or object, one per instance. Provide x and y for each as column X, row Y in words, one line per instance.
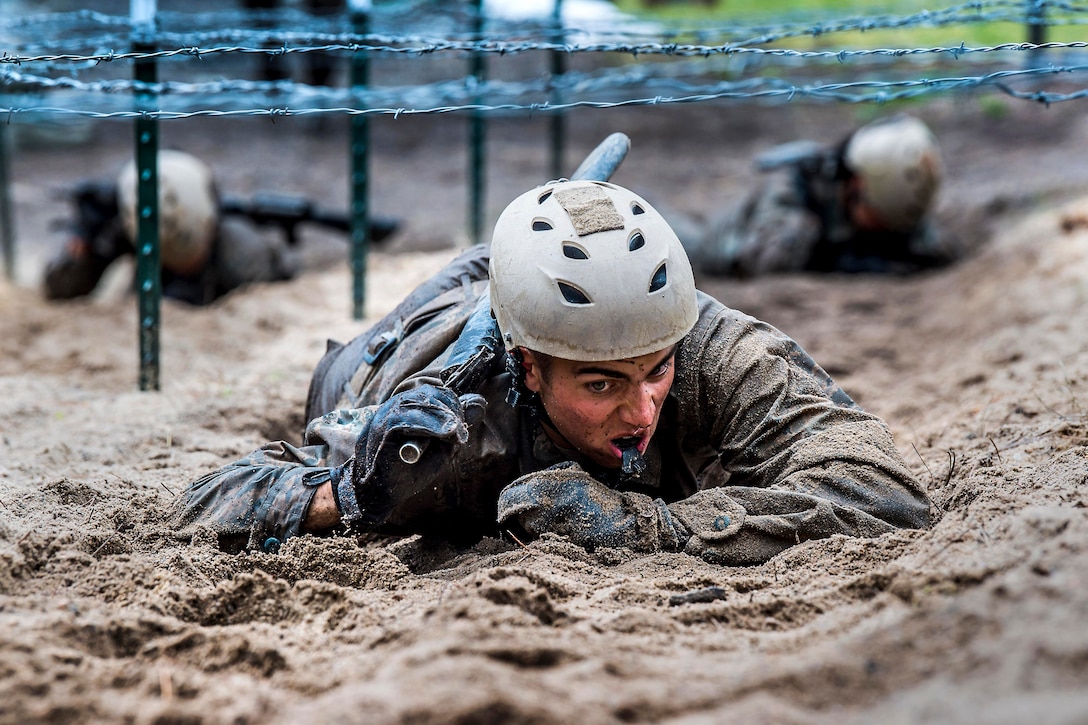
column 899, row 164
column 188, row 210
column 587, row 270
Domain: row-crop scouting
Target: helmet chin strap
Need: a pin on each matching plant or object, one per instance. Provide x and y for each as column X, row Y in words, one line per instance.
column 519, row 396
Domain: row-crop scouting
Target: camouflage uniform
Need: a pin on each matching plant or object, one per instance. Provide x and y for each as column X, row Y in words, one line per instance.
column 796, row 221
column 756, row 449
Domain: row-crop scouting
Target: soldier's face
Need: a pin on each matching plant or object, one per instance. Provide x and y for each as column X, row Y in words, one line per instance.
column 599, row 408
column 862, row 215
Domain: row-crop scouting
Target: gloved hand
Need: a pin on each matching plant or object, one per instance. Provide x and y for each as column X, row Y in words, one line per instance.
column 69, row 276
column 377, row 487
column 566, row 500
column 712, row 517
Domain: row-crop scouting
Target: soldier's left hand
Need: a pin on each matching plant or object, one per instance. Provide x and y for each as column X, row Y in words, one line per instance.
column 566, row 500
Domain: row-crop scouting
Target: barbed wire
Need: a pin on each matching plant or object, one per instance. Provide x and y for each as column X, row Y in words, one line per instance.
column 680, row 73
column 1045, row 12
column 188, row 43
column 853, row 92
column 664, row 77
column 489, row 47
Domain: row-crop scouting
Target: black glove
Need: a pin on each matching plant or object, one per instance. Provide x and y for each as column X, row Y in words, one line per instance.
column 67, row 277
column 377, row 487
column 566, row 500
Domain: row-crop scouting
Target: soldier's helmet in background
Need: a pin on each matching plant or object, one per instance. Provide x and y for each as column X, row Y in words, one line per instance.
column 899, row 164
column 188, row 210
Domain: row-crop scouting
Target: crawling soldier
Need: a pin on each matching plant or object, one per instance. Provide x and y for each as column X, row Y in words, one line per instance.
column 861, row 206
column 623, row 409
column 203, row 254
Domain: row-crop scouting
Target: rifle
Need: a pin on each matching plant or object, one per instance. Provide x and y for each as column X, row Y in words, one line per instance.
column 479, row 349
column 287, row 212
column 790, row 154
column 810, row 159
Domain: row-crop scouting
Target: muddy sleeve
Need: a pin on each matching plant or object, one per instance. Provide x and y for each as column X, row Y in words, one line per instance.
column 803, row 460
column 266, row 495
column 258, row 501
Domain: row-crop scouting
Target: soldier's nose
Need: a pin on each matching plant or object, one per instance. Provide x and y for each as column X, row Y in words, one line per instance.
column 640, row 407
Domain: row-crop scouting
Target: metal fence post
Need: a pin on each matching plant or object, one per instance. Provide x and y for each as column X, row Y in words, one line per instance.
column 558, row 120
column 477, row 131
column 7, row 224
column 360, row 162
column 148, row 275
column 1036, row 21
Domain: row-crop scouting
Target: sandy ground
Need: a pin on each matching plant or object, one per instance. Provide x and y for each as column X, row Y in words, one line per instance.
column 980, row 370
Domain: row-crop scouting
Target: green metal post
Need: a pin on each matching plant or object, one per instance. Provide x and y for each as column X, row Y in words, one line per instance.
column 7, row 225
column 477, row 132
column 1036, row 31
column 148, row 275
column 558, row 119
column 360, row 163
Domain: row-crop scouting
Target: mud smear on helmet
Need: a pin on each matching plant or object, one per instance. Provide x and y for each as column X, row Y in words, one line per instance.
column 633, row 462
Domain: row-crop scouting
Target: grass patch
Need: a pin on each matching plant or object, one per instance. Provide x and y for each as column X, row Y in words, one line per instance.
column 753, row 13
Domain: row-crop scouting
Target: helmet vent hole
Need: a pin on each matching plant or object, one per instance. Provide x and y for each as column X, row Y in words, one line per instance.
column 544, row 197
column 637, row 209
column 572, row 294
column 572, row 251
column 637, row 241
column 541, row 226
column 660, row 279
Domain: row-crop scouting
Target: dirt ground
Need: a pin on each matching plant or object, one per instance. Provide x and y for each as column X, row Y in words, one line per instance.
column 980, row 370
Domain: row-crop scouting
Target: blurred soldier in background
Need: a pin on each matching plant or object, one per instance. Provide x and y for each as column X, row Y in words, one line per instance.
column 861, row 206
column 208, row 245
column 203, row 256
